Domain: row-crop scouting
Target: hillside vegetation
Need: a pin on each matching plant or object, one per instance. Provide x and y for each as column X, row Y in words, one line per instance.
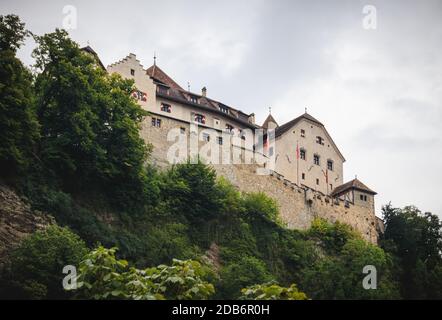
column 71, row 146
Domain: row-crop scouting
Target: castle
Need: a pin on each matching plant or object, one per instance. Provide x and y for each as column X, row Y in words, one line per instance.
column 297, row 163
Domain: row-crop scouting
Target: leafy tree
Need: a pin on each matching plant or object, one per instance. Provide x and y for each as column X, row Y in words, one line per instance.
column 259, row 204
column 90, row 124
column 189, row 189
column 337, row 272
column 18, row 124
column 35, row 268
column 245, row 272
column 416, row 240
column 272, row 291
column 332, row 236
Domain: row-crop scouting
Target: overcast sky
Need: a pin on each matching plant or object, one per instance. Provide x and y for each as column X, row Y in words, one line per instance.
column 378, row 92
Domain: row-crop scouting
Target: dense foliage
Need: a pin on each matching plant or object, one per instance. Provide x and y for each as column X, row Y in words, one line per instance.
column 72, row 147
column 102, row 276
column 18, row 124
column 272, row 291
column 35, row 268
column 415, row 240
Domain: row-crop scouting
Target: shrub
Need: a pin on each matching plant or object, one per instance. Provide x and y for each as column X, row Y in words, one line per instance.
column 272, row 291
column 35, row 269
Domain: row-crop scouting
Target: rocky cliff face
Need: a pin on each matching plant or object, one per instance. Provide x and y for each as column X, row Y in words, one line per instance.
column 17, row 220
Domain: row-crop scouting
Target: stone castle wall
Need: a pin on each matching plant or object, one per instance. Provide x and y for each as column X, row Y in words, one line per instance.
column 299, row 205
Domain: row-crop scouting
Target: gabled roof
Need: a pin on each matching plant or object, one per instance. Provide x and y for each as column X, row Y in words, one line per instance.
column 353, row 184
column 269, row 119
column 91, row 51
column 178, row 94
column 159, row 75
column 288, row 125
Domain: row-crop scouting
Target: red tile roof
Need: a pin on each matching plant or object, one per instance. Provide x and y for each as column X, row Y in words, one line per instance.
column 159, row 75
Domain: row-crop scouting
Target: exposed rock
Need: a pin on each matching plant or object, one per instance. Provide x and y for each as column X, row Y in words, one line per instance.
column 17, row 220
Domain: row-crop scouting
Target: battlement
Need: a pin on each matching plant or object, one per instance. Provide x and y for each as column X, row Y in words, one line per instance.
column 300, row 205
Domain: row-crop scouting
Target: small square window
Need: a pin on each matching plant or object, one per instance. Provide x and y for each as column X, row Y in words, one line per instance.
column 316, row 159
column 229, row 128
column 200, row 118
column 132, row 72
column 166, row 108
column 330, row 165
column 156, row 122
column 182, row 130
column 302, row 154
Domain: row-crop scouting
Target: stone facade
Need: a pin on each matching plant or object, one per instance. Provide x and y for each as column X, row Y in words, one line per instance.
column 299, row 205
column 305, row 164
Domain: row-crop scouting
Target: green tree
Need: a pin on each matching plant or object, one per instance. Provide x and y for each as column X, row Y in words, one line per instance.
column 18, row 124
column 190, row 189
column 416, row 241
column 245, row 272
column 90, row 124
column 35, row 268
column 261, row 205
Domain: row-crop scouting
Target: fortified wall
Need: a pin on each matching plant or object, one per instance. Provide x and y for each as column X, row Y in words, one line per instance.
column 300, row 205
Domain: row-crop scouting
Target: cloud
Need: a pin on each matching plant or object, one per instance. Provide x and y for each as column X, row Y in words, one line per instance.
column 379, row 92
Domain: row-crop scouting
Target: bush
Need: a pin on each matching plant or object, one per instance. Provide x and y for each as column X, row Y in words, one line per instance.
column 272, row 291
column 35, row 269
column 102, row 276
column 247, row 271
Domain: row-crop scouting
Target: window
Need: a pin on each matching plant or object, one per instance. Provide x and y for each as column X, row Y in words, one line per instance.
column 330, row 165
column 316, row 159
column 303, row 133
column 319, row 140
column 139, row 95
column 132, row 72
column 223, row 109
column 219, row 140
column 216, row 122
column 200, row 118
column 193, row 99
column 317, row 181
column 182, row 130
column 156, row 122
column 206, row 137
column 303, row 176
column 302, row 154
column 166, row 107
column 331, row 187
column 229, row 128
column 363, row 197
column 162, row 90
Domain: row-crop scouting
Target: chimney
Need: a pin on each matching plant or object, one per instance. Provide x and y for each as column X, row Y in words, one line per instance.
column 204, row 91
column 252, row 118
